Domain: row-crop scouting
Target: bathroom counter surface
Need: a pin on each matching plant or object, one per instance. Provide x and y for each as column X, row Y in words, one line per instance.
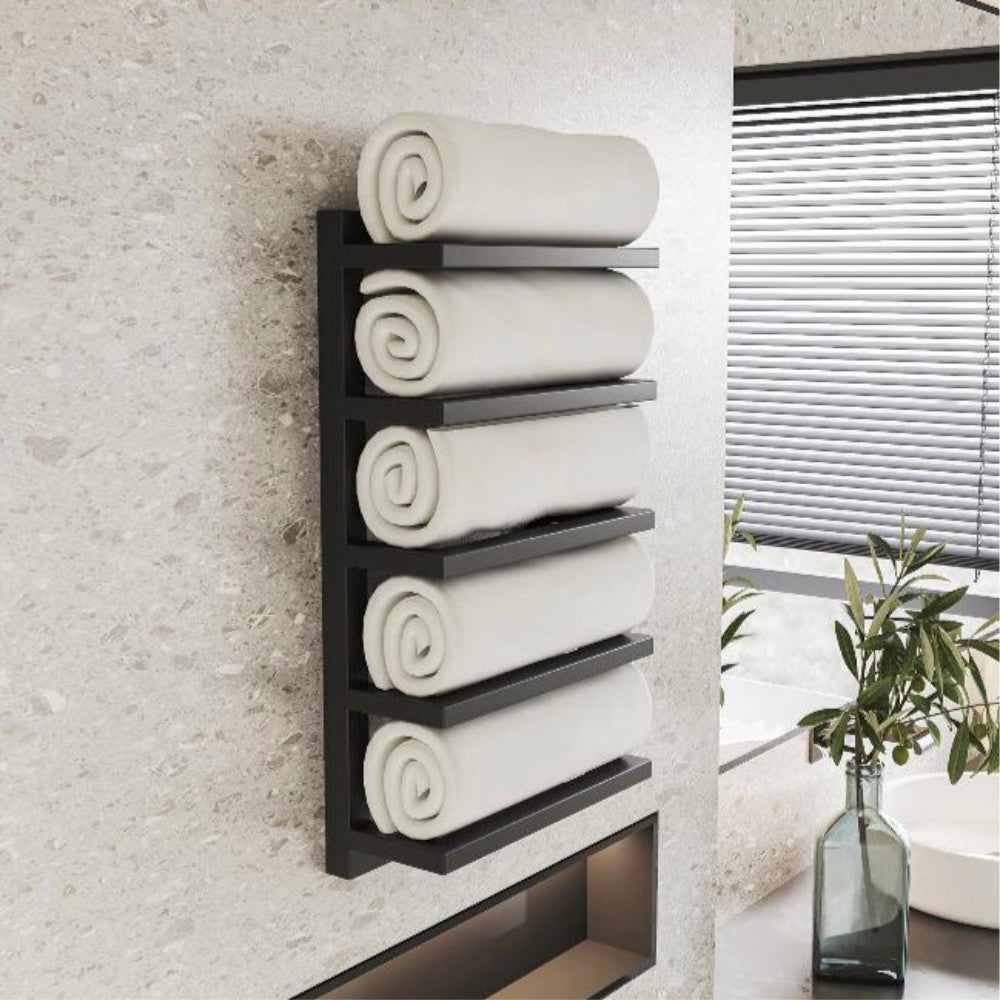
column 765, row 953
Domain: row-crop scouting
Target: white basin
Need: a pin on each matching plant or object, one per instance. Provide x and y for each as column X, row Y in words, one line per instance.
column 954, row 832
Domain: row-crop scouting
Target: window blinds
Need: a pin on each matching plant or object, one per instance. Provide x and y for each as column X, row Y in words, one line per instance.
column 863, row 322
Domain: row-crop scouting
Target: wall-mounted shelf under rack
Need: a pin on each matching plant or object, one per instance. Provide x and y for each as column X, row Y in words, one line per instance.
column 352, row 563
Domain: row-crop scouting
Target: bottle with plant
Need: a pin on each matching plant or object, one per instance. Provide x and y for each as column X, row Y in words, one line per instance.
column 916, row 674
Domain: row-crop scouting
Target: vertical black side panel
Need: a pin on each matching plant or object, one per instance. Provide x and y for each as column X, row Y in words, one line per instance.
column 344, row 733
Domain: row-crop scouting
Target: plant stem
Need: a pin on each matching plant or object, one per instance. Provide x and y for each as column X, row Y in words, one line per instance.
column 859, row 799
column 960, row 708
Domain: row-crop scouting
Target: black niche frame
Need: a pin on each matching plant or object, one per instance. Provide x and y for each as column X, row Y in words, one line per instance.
column 649, row 825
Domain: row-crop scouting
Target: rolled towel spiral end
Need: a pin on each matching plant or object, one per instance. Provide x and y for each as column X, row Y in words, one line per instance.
column 405, row 635
column 397, row 479
column 397, row 334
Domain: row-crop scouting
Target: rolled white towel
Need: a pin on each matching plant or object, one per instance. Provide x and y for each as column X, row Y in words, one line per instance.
column 425, row 783
column 434, row 177
column 424, row 487
column 455, row 331
column 425, row 638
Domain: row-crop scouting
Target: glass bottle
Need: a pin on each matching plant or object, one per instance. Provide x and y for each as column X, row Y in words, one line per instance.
column 862, row 888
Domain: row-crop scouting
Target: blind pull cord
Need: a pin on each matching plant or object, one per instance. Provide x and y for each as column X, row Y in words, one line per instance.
column 991, row 276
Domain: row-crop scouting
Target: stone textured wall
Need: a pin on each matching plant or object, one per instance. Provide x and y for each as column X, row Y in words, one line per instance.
column 161, row 831
column 778, row 31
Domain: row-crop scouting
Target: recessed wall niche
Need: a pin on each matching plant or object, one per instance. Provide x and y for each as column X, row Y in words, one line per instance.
column 578, row 929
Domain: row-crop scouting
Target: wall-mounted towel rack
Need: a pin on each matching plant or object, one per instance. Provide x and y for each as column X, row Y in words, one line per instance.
column 353, row 565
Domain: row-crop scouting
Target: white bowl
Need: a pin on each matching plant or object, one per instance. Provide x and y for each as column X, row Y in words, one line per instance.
column 954, row 833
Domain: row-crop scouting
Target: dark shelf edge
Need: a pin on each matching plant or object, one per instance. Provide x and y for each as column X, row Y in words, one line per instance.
column 448, row 411
column 447, row 854
column 544, row 538
column 457, row 256
column 455, row 707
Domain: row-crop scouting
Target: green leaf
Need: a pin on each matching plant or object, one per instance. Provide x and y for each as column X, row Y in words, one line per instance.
column 854, row 597
column 837, row 738
column 883, row 611
column 820, row 716
column 950, row 656
column 987, row 624
column 874, row 693
column 934, row 731
column 989, row 649
column 729, row 635
column 869, row 726
column 875, row 561
column 959, row 754
column 915, row 539
column 880, row 546
column 846, row 648
column 977, row 678
column 730, row 602
column 925, row 557
column 939, row 604
column 737, row 511
column 926, row 654
column 953, row 692
column 891, row 721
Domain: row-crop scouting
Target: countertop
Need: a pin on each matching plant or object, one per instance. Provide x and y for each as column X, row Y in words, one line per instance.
column 765, row 953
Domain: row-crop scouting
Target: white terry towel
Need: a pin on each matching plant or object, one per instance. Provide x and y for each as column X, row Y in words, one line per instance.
column 456, row 331
column 425, row 783
column 425, row 638
column 424, row 487
column 434, row 177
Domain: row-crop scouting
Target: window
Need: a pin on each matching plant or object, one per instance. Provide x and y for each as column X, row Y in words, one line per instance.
column 863, row 335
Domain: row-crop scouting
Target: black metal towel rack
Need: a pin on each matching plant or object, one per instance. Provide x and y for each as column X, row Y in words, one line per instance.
column 353, row 565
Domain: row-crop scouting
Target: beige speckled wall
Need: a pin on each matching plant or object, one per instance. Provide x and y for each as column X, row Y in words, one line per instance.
column 779, row 31
column 161, row 822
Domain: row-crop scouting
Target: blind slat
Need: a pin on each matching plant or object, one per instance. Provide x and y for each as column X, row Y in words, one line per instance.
column 936, row 495
column 886, row 191
column 826, row 531
column 924, row 330
column 862, row 514
column 788, row 396
column 857, row 108
column 795, row 470
column 943, row 119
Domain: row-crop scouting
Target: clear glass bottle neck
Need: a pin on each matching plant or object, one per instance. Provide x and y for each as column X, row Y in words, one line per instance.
column 866, row 793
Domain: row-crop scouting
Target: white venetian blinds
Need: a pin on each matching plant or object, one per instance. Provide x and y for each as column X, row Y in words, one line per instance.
column 863, row 323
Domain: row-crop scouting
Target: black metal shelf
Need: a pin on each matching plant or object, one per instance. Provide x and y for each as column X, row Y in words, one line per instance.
column 418, row 256
column 543, row 538
column 357, row 251
column 455, row 707
column 446, row 854
column 449, row 411
column 352, row 563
